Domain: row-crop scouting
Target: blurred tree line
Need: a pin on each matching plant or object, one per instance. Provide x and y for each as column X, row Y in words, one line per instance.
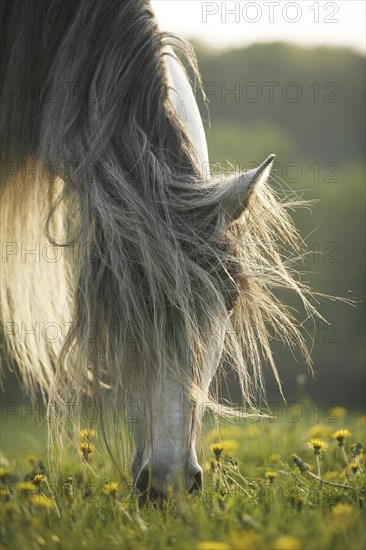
column 307, row 106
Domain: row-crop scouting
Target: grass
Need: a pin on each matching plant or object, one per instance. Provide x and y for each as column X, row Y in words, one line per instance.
column 255, row 497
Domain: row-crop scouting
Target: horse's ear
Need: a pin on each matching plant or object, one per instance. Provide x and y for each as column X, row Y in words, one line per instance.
column 241, row 186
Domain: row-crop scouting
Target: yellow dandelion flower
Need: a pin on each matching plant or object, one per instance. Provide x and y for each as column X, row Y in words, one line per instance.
column 246, row 539
column 31, row 458
column 343, row 515
column 87, row 447
column 225, row 432
column 354, row 467
column 41, row 501
column 9, row 507
column 4, row 493
column 212, row 545
column 270, row 475
column 217, row 448
column 87, row 433
column 318, row 446
column 286, row 542
column 27, row 487
column 332, row 475
column 320, row 431
column 210, row 465
column 229, row 446
column 340, row 436
column 3, row 472
column 39, row 478
column 274, row 459
column 111, row 488
column 339, row 412
column 343, row 509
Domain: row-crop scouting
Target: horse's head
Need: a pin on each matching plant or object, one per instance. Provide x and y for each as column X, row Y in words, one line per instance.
column 165, row 452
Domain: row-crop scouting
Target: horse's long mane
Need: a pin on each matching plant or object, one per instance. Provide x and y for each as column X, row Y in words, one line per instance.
column 95, row 161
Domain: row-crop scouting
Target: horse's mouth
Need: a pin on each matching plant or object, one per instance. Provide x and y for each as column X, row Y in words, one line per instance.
column 147, row 493
column 152, row 496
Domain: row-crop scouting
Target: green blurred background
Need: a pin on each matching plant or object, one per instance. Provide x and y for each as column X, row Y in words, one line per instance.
column 307, row 106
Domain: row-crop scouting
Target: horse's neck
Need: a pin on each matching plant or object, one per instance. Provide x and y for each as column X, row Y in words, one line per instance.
column 185, row 103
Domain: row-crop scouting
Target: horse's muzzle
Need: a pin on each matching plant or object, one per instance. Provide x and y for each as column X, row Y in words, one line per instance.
column 153, row 484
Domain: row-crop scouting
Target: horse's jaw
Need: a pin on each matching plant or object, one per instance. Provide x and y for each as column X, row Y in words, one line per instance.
column 168, row 475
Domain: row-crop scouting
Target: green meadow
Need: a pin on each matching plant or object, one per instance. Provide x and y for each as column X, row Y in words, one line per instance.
column 281, row 483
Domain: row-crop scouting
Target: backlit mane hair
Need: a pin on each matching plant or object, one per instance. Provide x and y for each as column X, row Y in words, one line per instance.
column 95, row 161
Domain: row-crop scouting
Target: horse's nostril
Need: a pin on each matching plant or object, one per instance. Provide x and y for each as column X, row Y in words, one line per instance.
column 197, row 482
column 143, row 487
